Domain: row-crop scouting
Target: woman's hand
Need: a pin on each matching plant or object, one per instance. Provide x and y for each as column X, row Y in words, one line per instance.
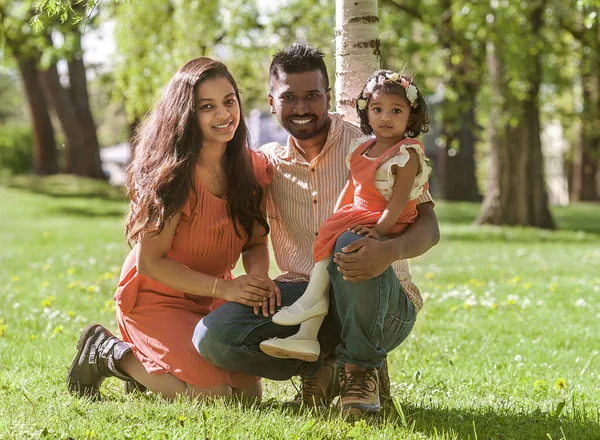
column 246, row 289
column 268, row 307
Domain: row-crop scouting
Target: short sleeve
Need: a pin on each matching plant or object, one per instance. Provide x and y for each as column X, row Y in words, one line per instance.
column 400, row 160
column 357, row 142
column 263, row 170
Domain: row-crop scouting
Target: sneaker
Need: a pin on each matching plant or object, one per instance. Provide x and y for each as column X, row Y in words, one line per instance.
column 321, row 389
column 359, row 390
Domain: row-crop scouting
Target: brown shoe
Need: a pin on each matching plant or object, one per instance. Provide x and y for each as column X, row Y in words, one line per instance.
column 133, row 386
column 97, row 352
column 359, row 390
column 385, row 394
column 321, row 389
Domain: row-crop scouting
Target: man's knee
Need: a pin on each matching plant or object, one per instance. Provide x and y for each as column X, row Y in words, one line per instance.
column 211, row 344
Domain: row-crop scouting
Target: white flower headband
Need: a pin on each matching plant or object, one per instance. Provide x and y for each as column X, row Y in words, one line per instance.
column 411, row 91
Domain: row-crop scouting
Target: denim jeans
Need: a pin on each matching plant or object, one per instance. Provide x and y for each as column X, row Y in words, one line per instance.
column 366, row 320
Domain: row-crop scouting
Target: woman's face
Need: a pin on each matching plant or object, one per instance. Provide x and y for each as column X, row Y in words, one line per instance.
column 218, row 111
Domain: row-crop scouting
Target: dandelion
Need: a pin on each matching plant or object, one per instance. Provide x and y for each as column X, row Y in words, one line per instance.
column 429, row 275
column 553, row 287
column 493, row 306
column 466, row 306
column 46, row 303
column 32, row 337
column 46, row 267
column 71, row 270
column 454, row 308
column 71, row 285
column 45, row 283
column 15, row 278
column 527, row 286
column 540, row 383
column 2, row 327
column 71, row 314
column 93, row 289
column 511, row 301
column 108, row 276
column 58, row 329
column 514, row 280
column 560, row 384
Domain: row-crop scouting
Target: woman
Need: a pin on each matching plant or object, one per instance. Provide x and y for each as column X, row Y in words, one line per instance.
column 196, row 198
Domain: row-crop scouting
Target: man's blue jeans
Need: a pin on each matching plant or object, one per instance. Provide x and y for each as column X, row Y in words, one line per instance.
column 366, row 320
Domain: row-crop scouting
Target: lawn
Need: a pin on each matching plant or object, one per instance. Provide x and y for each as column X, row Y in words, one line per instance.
column 506, row 347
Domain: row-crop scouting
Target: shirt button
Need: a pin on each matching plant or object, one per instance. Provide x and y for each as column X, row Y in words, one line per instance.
column 312, row 170
column 315, row 202
column 316, row 233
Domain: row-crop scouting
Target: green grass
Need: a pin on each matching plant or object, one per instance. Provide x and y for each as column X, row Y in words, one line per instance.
column 506, row 347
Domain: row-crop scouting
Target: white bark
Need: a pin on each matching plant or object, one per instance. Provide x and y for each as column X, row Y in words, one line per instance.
column 357, row 51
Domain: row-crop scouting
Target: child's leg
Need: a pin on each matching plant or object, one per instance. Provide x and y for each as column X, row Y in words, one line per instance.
column 302, row 345
column 314, row 301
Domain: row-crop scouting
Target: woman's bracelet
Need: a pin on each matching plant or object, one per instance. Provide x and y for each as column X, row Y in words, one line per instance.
column 215, row 287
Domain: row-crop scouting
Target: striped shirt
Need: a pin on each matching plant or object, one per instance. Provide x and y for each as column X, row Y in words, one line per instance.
column 302, row 195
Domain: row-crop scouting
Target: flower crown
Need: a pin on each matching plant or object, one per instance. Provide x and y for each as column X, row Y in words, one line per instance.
column 411, row 91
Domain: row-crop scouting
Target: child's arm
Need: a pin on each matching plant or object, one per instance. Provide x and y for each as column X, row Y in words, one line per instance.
column 405, row 179
column 346, row 197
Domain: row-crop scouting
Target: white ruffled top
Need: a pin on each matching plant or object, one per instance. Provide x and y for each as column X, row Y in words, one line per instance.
column 384, row 176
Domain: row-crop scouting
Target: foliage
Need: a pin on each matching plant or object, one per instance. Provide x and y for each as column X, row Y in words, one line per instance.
column 11, row 105
column 504, row 348
column 16, row 151
column 243, row 34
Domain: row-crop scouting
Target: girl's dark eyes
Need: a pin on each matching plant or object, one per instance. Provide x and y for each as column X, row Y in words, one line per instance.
column 230, row 101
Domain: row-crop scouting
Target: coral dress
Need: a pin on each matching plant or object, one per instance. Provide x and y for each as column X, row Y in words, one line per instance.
column 369, row 204
column 157, row 321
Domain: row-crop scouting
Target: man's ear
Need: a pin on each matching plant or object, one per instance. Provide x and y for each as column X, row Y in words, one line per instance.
column 271, row 104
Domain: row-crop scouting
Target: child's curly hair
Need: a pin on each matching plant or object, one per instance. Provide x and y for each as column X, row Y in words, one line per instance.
column 389, row 82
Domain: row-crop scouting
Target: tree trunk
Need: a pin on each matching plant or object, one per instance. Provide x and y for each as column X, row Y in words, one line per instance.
column 516, row 192
column 357, row 51
column 63, row 106
column 460, row 180
column 45, row 154
column 90, row 164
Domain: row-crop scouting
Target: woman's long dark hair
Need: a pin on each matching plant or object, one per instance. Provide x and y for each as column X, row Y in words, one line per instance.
column 165, row 152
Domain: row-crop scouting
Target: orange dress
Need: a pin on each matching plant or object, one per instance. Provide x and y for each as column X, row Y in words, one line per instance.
column 157, row 321
column 368, row 205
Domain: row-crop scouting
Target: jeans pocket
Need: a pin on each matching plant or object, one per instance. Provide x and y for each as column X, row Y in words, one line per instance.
column 395, row 331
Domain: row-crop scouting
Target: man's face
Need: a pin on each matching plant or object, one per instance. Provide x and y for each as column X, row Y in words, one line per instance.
column 301, row 101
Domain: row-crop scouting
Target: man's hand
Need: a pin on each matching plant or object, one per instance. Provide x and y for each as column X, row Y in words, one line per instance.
column 363, row 259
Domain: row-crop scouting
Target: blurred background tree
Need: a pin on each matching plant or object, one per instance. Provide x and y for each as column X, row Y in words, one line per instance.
column 513, row 86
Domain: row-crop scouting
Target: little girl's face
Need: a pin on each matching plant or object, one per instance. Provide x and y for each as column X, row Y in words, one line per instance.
column 388, row 115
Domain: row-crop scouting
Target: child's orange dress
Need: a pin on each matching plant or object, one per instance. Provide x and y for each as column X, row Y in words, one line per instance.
column 157, row 321
column 369, row 203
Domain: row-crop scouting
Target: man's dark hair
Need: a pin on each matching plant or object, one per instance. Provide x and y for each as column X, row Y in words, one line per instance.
column 297, row 58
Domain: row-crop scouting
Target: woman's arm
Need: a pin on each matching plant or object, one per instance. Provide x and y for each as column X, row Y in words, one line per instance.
column 346, row 197
column 152, row 261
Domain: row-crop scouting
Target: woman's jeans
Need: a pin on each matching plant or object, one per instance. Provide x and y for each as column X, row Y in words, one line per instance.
column 366, row 320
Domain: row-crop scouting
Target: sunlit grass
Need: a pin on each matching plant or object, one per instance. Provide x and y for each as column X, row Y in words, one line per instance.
column 506, row 347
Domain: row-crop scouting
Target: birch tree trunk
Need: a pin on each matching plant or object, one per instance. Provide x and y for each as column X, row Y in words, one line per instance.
column 357, row 51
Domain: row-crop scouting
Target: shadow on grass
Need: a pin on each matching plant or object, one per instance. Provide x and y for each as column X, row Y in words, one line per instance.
column 483, row 423
column 67, row 186
column 578, row 222
column 86, row 212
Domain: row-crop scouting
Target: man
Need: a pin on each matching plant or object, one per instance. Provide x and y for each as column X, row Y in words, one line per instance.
column 373, row 306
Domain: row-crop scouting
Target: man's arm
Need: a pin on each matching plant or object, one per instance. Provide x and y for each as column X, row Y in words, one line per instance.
column 367, row 258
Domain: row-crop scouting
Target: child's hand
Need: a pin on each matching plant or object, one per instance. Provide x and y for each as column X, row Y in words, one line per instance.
column 365, row 230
